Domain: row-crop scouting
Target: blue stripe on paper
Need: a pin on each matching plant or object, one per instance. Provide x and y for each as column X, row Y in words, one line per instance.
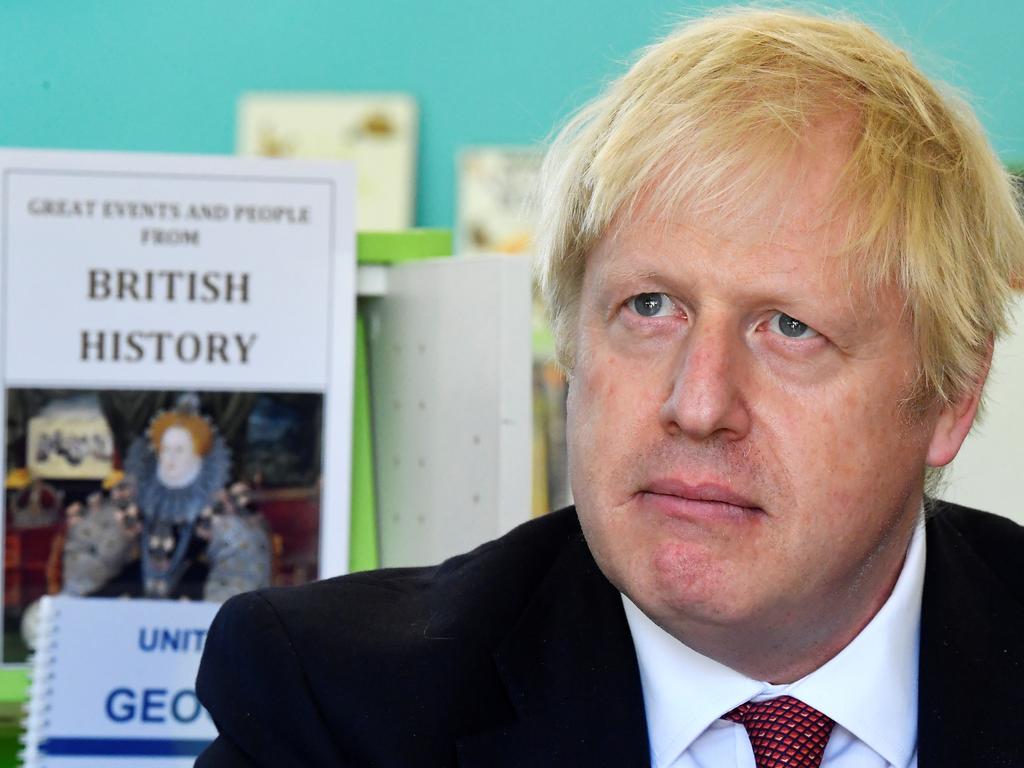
column 123, row 747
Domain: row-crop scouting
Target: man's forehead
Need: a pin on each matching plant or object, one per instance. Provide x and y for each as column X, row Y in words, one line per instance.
column 794, row 207
column 649, row 247
column 795, row 175
column 761, row 230
column 746, row 224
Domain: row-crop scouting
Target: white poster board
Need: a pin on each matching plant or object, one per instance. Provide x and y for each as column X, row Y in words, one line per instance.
column 180, row 274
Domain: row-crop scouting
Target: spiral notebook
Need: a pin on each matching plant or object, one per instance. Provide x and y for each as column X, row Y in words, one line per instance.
column 113, row 684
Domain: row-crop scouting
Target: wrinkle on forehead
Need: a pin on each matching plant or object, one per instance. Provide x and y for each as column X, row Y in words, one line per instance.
column 792, row 178
column 657, row 249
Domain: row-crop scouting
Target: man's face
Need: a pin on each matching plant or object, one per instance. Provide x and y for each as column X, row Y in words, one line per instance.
column 736, row 449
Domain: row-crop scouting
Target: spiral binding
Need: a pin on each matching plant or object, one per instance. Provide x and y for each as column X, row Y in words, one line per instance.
column 41, row 675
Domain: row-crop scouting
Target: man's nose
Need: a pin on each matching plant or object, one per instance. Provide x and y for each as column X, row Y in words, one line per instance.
column 708, row 397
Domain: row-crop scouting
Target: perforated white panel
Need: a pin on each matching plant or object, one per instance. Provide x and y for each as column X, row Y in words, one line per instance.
column 450, row 382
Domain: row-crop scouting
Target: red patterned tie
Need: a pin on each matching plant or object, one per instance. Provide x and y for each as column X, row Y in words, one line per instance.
column 784, row 732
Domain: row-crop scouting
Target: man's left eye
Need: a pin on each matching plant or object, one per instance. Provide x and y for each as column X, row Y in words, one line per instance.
column 651, row 305
column 790, row 327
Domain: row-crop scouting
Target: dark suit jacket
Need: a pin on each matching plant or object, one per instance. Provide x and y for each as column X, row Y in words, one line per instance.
column 519, row 654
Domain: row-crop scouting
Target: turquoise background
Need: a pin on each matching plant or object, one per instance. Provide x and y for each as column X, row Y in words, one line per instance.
column 165, row 76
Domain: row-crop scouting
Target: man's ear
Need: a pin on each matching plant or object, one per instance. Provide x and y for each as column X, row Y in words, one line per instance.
column 956, row 418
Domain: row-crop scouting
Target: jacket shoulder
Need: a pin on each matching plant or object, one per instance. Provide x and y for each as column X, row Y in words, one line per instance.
column 995, row 540
column 256, row 689
column 351, row 656
column 466, row 596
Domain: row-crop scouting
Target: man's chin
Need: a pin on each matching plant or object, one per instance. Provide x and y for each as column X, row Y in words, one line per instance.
column 694, row 585
column 692, row 616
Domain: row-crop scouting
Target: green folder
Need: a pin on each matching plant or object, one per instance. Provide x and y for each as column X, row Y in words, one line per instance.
column 13, row 693
column 362, row 548
column 404, row 245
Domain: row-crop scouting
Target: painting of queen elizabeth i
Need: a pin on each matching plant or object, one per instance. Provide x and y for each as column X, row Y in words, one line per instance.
column 154, row 494
column 171, row 527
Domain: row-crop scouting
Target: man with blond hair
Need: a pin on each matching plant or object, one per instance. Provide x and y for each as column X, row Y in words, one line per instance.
column 777, row 259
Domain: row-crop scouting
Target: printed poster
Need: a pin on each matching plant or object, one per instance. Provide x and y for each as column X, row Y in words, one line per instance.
column 176, row 347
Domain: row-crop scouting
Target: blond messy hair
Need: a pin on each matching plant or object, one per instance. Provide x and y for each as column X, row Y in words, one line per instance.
column 706, row 118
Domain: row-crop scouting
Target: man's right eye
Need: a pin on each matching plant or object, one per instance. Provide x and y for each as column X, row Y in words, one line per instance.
column 652, row 305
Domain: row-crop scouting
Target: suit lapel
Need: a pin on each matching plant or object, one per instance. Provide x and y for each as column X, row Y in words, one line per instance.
column 570, row 673
column 971, row 704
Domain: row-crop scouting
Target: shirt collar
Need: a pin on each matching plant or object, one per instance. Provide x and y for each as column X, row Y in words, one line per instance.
column 869, row 688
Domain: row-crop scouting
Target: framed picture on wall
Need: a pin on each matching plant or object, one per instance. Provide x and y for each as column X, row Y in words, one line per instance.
column 376, row 131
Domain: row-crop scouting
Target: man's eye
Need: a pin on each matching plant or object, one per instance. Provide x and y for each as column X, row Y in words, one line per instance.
column 790, row 327
column 651, row 305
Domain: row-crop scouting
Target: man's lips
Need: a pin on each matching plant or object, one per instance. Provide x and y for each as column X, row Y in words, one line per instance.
column 682, row 499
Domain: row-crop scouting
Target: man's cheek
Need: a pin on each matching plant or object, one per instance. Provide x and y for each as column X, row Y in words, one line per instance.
column 594, row 400
column 602, row 377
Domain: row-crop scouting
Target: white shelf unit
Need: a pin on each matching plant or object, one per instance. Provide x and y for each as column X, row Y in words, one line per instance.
column 450, row 365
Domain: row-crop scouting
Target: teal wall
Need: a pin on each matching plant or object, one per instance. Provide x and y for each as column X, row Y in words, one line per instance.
column 165, row 76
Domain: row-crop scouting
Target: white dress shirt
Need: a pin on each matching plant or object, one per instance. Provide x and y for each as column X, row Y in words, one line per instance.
column 869, row 689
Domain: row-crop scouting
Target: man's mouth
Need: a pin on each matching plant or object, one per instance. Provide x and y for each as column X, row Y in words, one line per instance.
column 706, row 500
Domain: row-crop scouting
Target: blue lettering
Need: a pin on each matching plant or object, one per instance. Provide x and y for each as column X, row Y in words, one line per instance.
column 124, row 701
column 153, row 705
column 183, row 639
column 154, row 699
column 170, row 640
column 151, row 645
column 176, row 706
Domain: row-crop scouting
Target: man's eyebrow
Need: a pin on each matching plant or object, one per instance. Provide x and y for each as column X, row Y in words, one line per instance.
column 625, row 272
column 632, row 264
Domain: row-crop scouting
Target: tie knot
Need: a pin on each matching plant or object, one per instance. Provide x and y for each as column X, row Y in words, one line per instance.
column 784, row 732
